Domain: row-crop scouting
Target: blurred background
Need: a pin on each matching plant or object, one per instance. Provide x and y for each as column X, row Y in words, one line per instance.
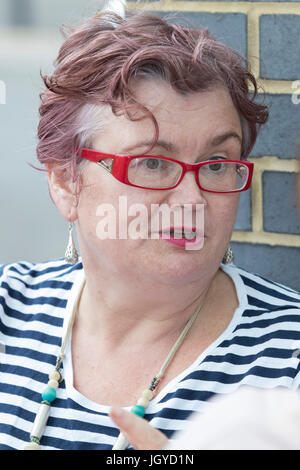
column 32, row 228
column 266, row 239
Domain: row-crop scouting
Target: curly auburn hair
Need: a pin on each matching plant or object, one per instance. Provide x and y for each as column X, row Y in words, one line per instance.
column 98, row 61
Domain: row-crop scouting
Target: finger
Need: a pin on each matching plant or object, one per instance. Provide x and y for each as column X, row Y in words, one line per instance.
column 140, row 434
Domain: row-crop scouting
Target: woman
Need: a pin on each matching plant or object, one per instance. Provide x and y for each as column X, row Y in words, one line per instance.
column 96, row 334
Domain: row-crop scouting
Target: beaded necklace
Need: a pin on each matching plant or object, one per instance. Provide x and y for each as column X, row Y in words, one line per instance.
column 55, row 377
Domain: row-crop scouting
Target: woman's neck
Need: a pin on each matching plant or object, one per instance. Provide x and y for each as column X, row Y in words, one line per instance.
column 119, row 310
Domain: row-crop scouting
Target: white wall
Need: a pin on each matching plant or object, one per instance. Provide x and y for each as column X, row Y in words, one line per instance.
column 31, row 228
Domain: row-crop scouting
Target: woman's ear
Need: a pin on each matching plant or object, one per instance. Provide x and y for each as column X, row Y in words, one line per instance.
column 63, row 193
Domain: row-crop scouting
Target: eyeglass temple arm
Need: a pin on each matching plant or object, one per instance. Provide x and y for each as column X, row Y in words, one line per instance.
column 106, row 165
column 93, row 156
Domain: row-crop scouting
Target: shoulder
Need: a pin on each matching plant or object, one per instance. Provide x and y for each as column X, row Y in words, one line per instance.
column 31, row 287
column 263, row 293
column 32, row 274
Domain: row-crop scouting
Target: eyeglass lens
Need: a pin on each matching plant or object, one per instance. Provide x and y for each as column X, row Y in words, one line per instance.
column 159, row 173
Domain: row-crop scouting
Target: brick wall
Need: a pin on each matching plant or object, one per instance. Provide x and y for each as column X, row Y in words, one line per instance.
column 266, row 238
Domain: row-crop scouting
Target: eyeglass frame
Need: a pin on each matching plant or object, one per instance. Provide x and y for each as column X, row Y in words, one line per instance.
column 119, row 168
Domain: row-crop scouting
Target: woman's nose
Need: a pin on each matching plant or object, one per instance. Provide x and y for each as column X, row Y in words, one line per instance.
column 188, row 191
column 188, row 201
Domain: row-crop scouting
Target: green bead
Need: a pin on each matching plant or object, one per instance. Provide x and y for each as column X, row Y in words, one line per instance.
column 49, row 394
column 138, row 410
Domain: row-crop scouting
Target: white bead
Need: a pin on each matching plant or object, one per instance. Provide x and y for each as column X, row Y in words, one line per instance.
column 143, row 402
column 40, row 421
column 53, row 384
column 32, row 446
column 148, row 394
column 55, row 375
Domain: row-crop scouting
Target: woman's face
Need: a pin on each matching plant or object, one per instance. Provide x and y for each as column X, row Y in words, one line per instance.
column 192, row 128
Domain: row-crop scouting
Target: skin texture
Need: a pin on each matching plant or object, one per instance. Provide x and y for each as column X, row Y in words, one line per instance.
column 158, row 285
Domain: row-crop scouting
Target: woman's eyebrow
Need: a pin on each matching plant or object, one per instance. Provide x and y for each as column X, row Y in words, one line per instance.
column 170, row 147
column 219, row 139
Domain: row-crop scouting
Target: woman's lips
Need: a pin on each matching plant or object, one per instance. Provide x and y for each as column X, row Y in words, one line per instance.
column 195, row 243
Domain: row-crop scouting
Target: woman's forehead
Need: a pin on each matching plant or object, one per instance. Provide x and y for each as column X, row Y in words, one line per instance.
column 207, row 115
column 158, row 96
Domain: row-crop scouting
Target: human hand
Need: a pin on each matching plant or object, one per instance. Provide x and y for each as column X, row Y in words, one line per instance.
column 140, row 434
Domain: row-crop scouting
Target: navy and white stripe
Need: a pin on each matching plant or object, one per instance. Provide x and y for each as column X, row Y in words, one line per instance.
column 258, row 348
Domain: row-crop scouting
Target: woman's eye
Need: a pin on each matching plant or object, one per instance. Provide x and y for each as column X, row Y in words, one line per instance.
column 152, row 163
column 218, row 165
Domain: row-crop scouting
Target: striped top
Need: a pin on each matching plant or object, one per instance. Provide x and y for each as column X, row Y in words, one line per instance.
column 259, row 348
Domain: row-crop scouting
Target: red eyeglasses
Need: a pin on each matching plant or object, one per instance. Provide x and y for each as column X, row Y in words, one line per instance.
column 217, row 175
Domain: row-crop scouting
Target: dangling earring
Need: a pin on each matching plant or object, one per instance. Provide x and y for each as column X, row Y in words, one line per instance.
column 229, row 256
column 71, row 255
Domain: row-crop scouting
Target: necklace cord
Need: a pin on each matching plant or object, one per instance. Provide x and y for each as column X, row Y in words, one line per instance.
column 49, row 394
column 179, row 340
column 61, row 355
column 170, row 356
column 121, row 442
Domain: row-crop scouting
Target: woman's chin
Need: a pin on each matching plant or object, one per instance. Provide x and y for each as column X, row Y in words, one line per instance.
column 177, row 266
